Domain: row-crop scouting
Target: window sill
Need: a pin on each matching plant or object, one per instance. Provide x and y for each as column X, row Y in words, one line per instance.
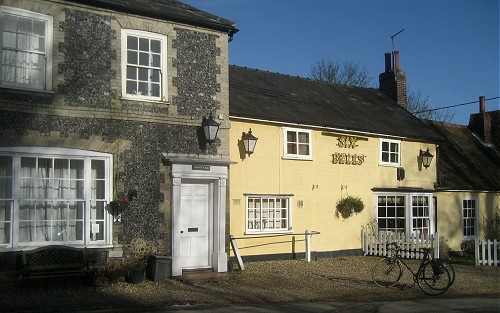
column 270, row 232
column 390, row 164
column 297, row 158
column 30, row 90
column 92, row 246
column 132, row 99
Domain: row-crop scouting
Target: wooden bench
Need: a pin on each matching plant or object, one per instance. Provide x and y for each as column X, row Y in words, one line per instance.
column 56, row 260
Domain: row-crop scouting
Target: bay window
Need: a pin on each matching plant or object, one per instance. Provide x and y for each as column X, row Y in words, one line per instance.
column 405, row 212
column 56, row 198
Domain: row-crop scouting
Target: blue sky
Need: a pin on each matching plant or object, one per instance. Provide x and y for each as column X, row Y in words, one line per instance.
column 449, row 48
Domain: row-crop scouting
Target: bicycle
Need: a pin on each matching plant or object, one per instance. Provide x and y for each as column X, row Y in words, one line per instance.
column 432, row 275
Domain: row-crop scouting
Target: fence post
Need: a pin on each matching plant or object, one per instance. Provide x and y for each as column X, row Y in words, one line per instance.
column 476, row 247
column 308, row 246
column 436, row 245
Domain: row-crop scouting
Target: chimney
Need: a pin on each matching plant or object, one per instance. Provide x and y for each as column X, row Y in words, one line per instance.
column 480, row 123
column 393, row 80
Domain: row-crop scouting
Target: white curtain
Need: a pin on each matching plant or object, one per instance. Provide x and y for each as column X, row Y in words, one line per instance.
column 50, row 208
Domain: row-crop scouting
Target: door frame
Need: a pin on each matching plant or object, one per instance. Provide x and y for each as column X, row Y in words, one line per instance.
column 215, row 173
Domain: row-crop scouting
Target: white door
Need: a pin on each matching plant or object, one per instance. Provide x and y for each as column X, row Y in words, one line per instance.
column 194, row 228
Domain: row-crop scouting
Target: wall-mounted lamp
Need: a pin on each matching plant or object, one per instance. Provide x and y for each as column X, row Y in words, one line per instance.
column 249, row 141
column 210, row 128
column 426, row 158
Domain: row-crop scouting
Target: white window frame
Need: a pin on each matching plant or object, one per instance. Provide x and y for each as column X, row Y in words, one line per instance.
column 261, row 229
column 409, row 217
column 47, row 86
column 297, row 156
column 163, row 67
column 381, row 152
column 17, row 152
column 468, row 218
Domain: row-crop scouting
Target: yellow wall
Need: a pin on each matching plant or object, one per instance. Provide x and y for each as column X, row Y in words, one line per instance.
column 318, row 183
column 449, row 210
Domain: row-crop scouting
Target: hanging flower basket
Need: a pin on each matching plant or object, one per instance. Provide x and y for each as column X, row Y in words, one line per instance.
column 119, row 204
column 349, row 206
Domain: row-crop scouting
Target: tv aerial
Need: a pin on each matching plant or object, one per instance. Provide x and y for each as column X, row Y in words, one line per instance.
column 392, row 38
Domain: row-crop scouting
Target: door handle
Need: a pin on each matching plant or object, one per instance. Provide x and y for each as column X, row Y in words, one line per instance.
column 182, row 232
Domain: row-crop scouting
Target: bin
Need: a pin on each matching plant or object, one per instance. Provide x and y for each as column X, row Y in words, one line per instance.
column 159, row 267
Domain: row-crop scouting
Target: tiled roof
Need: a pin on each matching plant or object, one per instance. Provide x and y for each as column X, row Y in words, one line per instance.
column 281, row 98
column 171, row 10
column 464, row 162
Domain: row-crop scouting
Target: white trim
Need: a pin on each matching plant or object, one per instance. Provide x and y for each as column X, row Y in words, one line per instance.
column 163, row 67
column 383, row 163
column 297, row 156
column 48, row 45
column 288, row 197
column 476, row 218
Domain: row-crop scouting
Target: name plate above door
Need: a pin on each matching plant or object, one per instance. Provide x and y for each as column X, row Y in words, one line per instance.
column 198, row 167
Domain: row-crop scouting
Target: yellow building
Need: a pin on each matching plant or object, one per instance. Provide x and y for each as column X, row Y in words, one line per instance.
column 319, row 143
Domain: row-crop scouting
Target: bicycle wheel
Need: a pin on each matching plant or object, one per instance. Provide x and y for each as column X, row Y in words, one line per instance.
column 450, row 269
column 386, row 272
column 433, row 278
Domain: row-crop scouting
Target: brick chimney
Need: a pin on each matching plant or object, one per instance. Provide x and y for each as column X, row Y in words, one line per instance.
column 480, row 123
column 393, row 80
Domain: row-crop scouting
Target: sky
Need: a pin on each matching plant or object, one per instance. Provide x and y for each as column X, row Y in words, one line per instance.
column 449, row 49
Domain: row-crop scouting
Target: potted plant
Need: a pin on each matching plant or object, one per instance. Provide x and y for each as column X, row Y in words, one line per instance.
column 349, row 205
column 135, row 269
column 136, row 261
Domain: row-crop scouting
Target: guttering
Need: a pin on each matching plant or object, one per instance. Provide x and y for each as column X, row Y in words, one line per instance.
column 331, row 129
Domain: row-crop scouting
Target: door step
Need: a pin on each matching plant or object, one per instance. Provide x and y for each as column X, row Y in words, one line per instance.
column 193, row 276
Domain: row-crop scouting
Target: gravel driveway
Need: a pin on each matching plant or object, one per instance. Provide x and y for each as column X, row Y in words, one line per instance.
column 338, row 279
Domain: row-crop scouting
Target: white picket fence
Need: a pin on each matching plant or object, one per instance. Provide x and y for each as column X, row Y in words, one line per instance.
column 375, row 243
column 487, row 252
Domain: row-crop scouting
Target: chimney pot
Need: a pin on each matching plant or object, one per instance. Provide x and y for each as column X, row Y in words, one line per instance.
column 388, row 66
column 482, row 104
column 396, row 61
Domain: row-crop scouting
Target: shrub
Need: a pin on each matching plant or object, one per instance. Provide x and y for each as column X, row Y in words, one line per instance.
column 468, row 248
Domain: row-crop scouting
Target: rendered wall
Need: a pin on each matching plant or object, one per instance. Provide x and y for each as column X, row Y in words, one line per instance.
column 319, row 183
column 450, row 215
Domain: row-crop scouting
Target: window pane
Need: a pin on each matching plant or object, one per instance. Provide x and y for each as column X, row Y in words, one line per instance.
column 131, row 72
column 156, row 46
column 132, row 57
column 155, row 60
column 39, row 28
column 132, row 42
column 143, row 74
column 291, row 148
column 144, row 59
column 303, row 137
column 291, row 136
column 143, row 44
column 303, row 149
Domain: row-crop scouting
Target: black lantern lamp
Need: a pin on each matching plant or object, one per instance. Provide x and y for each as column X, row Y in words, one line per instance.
column 426, row 158
column 210, row 128
column 249, row 141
